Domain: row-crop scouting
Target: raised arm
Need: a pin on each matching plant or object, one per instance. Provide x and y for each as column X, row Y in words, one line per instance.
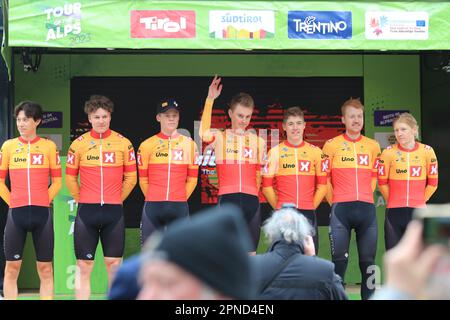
column 214, row 90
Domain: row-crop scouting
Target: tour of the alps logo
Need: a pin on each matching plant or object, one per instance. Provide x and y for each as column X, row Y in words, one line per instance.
column 320, row 24
column 241, row 24
column 163, row 24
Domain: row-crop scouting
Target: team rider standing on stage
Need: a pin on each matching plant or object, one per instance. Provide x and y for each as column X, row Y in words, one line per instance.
column 299, row 169
column 106, row 163
column 353, row 162
column 30, row 160
column 239, row 153
column 167, row 171
column 407, row 177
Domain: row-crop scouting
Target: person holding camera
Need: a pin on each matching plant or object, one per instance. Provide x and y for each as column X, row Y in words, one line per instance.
column 407, row 177
column 289, row 270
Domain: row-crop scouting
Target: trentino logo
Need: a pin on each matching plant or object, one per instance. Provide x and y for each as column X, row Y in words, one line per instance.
column 319, row 24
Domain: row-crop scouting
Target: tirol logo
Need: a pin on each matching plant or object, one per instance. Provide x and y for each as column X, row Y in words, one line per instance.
column 63, row 21
column 241, row 24
column 162, row 24
column 319, row 24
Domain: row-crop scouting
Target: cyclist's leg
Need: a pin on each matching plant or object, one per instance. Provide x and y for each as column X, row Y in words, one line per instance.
column 14, row 242
column 366, row 238
column 86, row 235
column 43, row 239
column 340, row 236
column 112, row 236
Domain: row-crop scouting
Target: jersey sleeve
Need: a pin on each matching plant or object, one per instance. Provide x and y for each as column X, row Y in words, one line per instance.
column 72, row 168
column 383, row 168
column 328, row 152
column 55, row 171
column 268, row 175
column 376, row 153
column 206, row 134
column 143, row 158
column 192, row 174
column 129, row 169
column 322, row 167
column 5, row 194
column 432, row 173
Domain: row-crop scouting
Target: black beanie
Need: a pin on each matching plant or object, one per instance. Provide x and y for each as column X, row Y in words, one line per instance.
column 213, row 246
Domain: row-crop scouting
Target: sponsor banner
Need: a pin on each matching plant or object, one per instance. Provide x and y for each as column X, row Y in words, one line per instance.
column 396, row 25
column 244, row 24
column 320, row 25
column 51, row 120
column 241, row 24
column 162, row 24
column 385, row 118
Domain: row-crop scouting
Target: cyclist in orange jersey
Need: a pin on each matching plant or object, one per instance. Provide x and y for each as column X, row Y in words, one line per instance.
column 240, row 153
column 407, row 177
column 353, row 162
column 29, row 160
column 167, row 171
column 299, row 170
column 106, row 164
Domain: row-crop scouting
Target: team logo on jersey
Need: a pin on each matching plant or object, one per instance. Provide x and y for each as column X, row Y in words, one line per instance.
column 363, row 159
column 131, row 155
column 58, row 159
column 377, row 163
column 70, row 158
column 139, row 160
column 80, row 138
column 416, row 171
column 325, row 164
column 381, row 171
column 109, row 157
column 304, row 166
column 248, row 153
column 433, row 168
column 37, row 159
column 177, row 155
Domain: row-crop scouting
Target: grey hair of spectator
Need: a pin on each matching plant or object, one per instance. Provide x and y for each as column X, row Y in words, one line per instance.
column 287, row 224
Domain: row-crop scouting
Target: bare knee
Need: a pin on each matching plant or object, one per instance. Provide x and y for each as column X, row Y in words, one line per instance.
column 112, row 263
column 12, row 269
column 45, row 270
column 85, row 267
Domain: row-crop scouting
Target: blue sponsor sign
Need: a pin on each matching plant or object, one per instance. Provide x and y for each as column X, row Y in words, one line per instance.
column 385, row 118
column 320, row 24
column 51, row 120
column 420, row 23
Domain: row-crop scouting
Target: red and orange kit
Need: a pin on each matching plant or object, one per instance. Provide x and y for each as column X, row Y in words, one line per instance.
column 300, row 173
column 353, row 168
column 408, row 178
column 107, row 167
column 30, row 163
column 167, row 167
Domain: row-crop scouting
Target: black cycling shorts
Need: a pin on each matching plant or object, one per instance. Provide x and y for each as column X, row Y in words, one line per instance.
column 249, row 205
column 95, row 221
column 159, row 214
column 35, row 219
column 395, row 225
column 311, row 216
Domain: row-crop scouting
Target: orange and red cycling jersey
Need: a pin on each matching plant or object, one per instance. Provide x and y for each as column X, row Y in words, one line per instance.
column 106, row 164
column 353, row 167
column 407, row 178
column 239, row 160
column 167, row 167
column 300, row 173
column 30, row 163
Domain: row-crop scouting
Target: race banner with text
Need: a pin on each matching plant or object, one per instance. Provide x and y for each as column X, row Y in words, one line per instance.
column 272, row 25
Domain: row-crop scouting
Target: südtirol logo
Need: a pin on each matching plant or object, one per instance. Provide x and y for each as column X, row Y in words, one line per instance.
column 162, row 24
column 65, row 21
column 241, row 24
